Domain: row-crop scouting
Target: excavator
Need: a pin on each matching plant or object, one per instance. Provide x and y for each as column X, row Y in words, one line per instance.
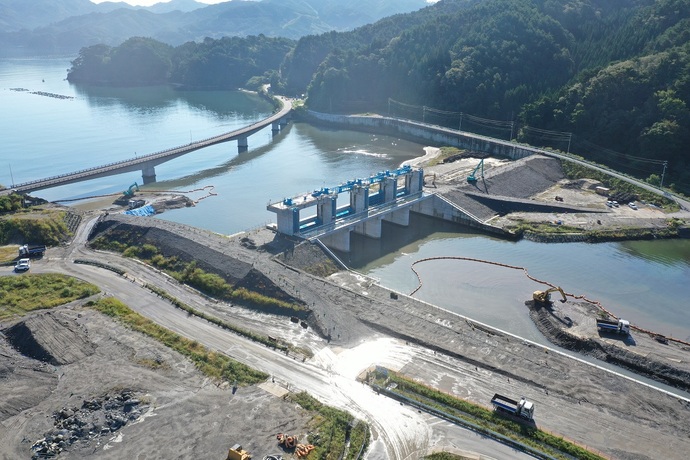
column 545, row 296
column 472, row 179
column 130, row 191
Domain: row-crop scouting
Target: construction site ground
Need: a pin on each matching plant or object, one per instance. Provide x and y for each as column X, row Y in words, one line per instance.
column 189, row 416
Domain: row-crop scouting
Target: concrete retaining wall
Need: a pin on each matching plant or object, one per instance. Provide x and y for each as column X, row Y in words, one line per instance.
column 415, row 131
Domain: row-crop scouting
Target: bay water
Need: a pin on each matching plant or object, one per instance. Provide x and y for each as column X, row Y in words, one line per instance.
column 647, row 282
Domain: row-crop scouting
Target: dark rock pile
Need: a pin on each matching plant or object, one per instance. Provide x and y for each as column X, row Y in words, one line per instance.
column 95, row 418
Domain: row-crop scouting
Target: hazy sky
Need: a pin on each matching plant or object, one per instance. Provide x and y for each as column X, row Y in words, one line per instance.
column 153, row 2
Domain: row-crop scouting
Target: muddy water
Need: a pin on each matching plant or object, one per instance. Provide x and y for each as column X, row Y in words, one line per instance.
column 647, row 282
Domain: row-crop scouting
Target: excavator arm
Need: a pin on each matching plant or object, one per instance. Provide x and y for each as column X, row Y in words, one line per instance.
column 545, row 296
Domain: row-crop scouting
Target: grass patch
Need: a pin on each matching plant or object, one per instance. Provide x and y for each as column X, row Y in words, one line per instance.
column 8, row 254
column 34, row 225
column 28, row 292
column 188, row 273
column 577, row 171
column 485, row 419
column 210, row 363
column 336, row 434
column 522, row 226
column 445, row 456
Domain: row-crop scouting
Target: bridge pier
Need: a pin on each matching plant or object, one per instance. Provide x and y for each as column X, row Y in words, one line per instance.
column 242, row 144
column 399, row 217
column 370, row 227
column 326, row 209
column 340, row 240
column 275, row 126
column 148, row 174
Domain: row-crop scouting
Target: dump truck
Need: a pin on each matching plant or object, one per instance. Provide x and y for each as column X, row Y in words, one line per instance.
column 31, row 251
column 619, row 326
column 522, row 408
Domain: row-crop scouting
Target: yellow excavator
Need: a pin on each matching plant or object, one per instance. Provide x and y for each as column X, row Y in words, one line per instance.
column 545, row 296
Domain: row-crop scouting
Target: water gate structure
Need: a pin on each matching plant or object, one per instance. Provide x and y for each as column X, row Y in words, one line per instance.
column 361, row 205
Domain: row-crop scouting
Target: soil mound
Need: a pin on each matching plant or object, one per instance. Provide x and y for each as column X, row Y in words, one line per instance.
column 51, row 337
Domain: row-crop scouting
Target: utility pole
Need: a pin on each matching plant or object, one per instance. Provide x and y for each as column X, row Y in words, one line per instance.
column 460, row 125
column 662, row 175
column 12, row 175
column 570, row 138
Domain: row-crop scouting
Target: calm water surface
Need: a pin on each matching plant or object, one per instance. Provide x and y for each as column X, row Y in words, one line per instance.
column 646, row 282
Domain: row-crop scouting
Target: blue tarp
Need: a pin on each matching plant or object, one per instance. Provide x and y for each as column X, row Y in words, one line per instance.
column 144, row 211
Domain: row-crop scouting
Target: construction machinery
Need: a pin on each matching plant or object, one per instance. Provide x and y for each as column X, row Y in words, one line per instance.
column 617, row 326
column 472, row 178
column 545, row 296
column 237, row 453
column 522, row 408
column 130, row 191
column 31, row 251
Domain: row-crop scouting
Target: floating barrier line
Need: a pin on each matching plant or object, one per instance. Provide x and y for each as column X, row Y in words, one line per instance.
column 537, row 280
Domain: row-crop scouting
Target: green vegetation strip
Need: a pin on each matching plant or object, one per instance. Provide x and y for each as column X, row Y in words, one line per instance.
column 336, row 435
column 28, row 292
column 210, row 363
column 188, row 273
column 34, row 224
column 212, row 319
column 538, row 442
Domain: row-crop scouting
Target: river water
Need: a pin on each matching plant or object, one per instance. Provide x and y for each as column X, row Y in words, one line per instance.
column 647, row 282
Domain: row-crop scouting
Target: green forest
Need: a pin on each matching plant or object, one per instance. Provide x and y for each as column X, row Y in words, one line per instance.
column 606, row 79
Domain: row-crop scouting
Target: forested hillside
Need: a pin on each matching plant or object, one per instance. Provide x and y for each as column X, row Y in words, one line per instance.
column 228, row 63
column 609, row 79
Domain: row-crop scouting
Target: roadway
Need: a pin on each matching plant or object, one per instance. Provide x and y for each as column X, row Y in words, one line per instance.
column 400, row 431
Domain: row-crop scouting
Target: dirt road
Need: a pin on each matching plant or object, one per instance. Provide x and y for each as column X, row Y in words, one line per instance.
column 611, row 413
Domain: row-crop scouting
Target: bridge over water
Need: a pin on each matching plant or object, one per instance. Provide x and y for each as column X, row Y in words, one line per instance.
column 147, row 163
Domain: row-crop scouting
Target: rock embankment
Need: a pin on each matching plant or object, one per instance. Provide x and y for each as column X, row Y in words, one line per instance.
column 555, row 329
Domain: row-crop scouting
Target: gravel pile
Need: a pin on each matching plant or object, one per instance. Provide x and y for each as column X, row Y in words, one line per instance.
column 523, row 178
column 96, row 418
column 52, row 337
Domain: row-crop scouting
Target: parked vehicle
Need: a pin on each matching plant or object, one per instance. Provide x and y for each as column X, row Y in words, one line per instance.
column 619, row 326
column 22, row 265
column 31, row 251
column 632, row 205
column 522, row 408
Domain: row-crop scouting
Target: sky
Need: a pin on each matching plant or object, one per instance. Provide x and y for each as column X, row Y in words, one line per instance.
column 153, row 2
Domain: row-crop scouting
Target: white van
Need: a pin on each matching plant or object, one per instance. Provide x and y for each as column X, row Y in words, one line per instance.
column 22, row 265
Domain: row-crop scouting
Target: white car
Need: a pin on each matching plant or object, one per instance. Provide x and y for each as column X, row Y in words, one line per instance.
column 22, row 265
column 632, row 205
column 615, row 204
column 609, row 204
